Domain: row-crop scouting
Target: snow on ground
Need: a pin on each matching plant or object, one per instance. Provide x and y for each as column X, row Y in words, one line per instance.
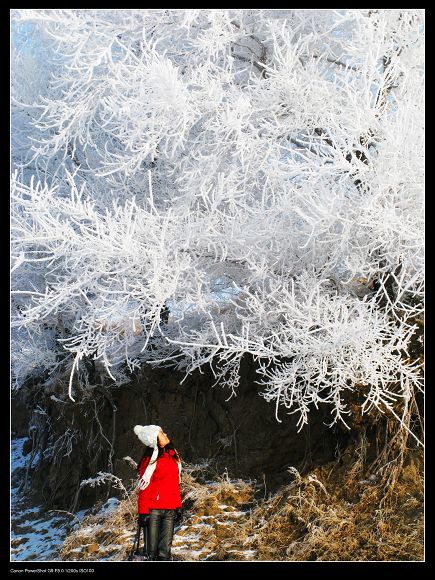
column 196, row 541
column 36, row 534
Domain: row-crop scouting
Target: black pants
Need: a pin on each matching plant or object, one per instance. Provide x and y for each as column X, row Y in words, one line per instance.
column 160, row 533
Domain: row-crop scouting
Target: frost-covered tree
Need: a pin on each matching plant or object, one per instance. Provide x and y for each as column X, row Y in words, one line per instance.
column 257, row 175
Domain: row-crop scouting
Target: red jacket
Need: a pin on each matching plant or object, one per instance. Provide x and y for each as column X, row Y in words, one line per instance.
column 163, row 491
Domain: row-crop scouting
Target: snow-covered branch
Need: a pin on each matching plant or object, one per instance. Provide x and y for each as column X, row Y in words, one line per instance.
column 190, row 186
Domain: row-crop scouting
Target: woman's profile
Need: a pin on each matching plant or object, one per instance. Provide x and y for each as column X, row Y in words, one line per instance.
column 159, row 489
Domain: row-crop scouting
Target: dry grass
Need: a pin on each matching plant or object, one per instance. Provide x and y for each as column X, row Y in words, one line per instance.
column 207, row 497
column 103, row 536
column 339, row 511
column 331, row 515
column 216, row 510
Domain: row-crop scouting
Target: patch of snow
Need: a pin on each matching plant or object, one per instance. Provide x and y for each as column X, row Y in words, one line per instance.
column 90, row 529
column 36, row 534
column 186, row 538
column 194, row 554
column 236, row 514
column 111, row 504
column 17, row 457
column 246, row 553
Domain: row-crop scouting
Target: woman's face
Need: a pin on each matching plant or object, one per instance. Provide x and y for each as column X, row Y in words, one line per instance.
column 162, row 439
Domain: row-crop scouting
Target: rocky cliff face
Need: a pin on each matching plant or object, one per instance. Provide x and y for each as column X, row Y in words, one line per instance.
column 69, row 442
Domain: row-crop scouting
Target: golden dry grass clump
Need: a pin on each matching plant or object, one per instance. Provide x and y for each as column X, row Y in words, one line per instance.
column 331, row 515
column 103, row 536
column 217, row 509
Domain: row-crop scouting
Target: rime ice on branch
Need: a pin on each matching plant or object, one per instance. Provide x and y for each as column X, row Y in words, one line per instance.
column 193, row 185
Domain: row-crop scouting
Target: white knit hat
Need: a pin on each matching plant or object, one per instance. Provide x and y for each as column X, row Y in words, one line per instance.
column 148, row 435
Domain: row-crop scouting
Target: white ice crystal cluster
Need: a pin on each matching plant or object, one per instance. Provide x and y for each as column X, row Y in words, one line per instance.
column 257, row 173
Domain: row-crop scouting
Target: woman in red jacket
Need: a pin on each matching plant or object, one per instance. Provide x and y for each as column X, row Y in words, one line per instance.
column 159, row 489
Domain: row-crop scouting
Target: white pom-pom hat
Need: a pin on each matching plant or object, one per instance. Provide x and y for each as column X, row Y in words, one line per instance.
column 148, row 435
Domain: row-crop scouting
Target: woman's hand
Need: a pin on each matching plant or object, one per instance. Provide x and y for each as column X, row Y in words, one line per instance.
column 142, row 483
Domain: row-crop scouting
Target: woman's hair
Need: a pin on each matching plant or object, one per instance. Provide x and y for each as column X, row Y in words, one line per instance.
column 149, row 451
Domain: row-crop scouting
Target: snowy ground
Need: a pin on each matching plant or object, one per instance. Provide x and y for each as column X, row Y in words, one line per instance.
column 36, row 534
column 196, row 541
